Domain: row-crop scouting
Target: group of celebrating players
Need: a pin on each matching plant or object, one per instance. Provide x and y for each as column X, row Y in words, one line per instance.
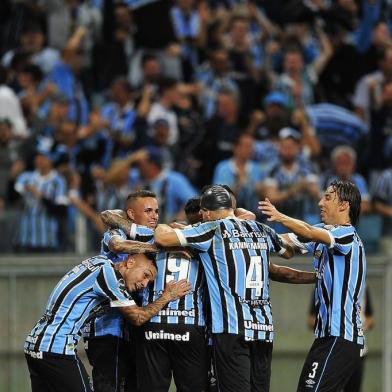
column 191, row 301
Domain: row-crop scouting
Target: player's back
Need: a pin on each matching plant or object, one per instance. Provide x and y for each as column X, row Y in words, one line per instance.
column 235, row 255
column 173, row 266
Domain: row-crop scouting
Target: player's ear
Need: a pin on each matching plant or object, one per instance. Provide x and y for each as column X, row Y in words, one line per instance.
column 130, row 262
column 344, row 205
column 130, row 213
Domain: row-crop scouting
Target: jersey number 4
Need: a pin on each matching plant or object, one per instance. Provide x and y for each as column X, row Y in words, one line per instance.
column 254, row 276
column 176, row 269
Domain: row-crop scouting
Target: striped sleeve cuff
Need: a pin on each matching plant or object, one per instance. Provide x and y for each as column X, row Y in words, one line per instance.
column 281, row 251
column 122, row 303
column 294, row 239
column 181, row 237
column 132, row 233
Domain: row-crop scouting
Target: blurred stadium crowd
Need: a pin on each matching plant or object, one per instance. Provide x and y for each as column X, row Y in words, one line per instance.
column 275, row 98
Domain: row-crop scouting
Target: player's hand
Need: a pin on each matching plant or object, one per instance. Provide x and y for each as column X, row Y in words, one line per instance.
column 268, row 209
column 33, row 190
column 176, row 290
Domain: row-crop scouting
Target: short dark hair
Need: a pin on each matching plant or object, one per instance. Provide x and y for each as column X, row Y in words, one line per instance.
column 152, row 256
column 123, row 82
column 192, row 206
column 138, row 194
column 166, row 84
column 34, row 71
column 347, row 191
column 148, row 57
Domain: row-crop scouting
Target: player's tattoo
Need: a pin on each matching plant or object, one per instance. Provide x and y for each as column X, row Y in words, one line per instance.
column 285, row 274
column 119, row 245
column 116, row 219
column 173, row 291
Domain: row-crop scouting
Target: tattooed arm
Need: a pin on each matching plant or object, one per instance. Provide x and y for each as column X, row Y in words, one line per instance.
column 283, row 274
column 140, row 315
column 116, row 219
column 119, row 245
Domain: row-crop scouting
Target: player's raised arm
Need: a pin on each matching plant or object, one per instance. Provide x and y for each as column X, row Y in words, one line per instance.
column 298, row 227
column 140, row 315
column 281, row 273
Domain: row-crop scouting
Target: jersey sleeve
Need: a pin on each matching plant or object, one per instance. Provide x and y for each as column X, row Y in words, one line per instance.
column 198, row 237
column 304, row 247
column 110, row 284
column 60, row 196
column 141, row 233
column 109, row 234
column 342, row 238
column 21, row 182
column 274, row 241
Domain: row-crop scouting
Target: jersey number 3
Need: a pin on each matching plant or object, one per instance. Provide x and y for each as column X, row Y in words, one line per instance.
column 254, row 276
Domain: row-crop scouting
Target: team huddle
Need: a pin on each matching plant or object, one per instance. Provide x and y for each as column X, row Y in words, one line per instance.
column 190, row 301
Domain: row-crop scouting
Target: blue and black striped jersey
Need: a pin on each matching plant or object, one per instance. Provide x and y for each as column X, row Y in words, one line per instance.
column 341, row 275
column 38, row 227
column 235, row 257
column 171, row 266
column 110, row 322
column 87, row 288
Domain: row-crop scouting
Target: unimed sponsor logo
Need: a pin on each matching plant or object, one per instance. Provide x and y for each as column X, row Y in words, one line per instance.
column 162, row 335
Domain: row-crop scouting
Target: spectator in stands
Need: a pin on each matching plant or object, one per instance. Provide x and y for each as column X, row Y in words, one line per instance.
column 338, row 79
column 65, row 17
column 245, row 53
column 120, row 115
column 221, row 132
column 45, row 200
column 115, row 42
column 343, row 159
column 265, row 125
column 297, row 80
column 240, row 173
column 191, row 136
column 152, row 72
column 160, row 140
column 10, row 107
column 58, row 113
column 379, row 39
column 172, row 188
column 164, row 108
column 11, row 163
column 368, row 90
column 213, row 76
column 32, row 42
column 382, row 196
column 190, row 30
column 291, row 184
column 380, row 125
column 66, row 77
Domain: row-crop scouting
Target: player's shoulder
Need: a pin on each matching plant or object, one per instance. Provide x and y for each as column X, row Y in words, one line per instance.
column 97, row 262
column 142, row 230
column 340, row 230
